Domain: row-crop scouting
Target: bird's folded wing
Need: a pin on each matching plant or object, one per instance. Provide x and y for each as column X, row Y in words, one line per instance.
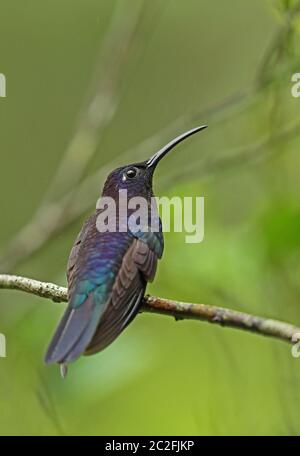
column 74, row 251
column 98, row 311
column 137, row 268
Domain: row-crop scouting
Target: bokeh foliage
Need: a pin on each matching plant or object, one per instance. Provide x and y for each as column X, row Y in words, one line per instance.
column 161, row 376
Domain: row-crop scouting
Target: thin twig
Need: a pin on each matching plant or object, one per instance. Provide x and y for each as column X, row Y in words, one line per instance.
column 251, row 154
column 103, row 100
column 276, row 48
column 56, row 216
column 179, row 310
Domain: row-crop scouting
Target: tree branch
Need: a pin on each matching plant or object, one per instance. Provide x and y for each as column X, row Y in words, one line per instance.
column 55, row 216
column 179, row 310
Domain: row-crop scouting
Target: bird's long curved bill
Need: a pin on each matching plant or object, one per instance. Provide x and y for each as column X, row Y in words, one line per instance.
column 152, row 162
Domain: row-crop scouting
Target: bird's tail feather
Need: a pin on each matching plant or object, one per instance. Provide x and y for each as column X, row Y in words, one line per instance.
column 74, row 332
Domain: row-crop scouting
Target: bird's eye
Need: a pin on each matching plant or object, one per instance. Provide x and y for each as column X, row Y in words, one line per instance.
column 131, row 173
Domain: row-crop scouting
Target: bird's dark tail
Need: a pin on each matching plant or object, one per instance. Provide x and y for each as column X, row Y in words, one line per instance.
column 74, row 332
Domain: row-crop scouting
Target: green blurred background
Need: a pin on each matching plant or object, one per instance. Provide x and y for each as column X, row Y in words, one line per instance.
column 111, row 74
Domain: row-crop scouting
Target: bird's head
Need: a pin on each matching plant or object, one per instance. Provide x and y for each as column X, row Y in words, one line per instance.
column 137, row 177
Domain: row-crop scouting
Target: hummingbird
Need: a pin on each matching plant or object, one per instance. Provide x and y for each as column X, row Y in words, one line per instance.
column 107, row 272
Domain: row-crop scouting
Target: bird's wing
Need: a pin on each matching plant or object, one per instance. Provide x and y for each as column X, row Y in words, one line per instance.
column 93, row 263
column 138, row 267
column 74, row 251
column 107, row 280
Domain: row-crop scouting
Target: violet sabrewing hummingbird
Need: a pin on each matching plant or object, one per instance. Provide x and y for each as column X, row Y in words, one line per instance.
column 107, row 272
